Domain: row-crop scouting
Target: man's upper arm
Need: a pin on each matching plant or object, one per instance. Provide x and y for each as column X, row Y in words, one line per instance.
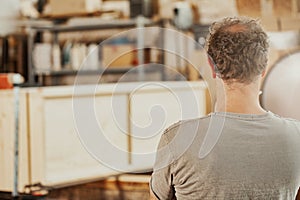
column 161, row 183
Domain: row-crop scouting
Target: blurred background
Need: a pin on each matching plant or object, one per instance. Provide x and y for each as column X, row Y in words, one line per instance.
column 140, row 53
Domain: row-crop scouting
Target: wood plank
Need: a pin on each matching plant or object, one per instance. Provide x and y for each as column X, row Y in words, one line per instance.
column 297, row 6
column 65, row 158
column 153, row 112
column 37, row 139
column 119, row 187
column 7, row 129
column 289, row 23
column 282, row 7
column 270, row 23
column 251, row 8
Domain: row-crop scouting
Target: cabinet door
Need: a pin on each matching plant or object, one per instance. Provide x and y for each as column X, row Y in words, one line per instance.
column 59, row 154
column 155, row 110
column 7, row 141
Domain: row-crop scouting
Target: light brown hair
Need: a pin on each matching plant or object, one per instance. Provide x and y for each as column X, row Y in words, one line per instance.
column 238, row 47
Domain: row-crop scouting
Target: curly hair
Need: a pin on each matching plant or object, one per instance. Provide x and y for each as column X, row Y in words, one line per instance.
column 238, row 47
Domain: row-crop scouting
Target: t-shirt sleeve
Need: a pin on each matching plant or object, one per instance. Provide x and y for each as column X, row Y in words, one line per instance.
column 161, row 182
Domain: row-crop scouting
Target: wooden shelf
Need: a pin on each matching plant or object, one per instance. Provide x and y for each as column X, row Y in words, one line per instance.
column 122, row 70
column 104, row 24
column 55, row 30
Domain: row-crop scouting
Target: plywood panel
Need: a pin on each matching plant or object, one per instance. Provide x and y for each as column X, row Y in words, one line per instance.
column 250, row 8
column 211, row 10
column 62, row 157
column 153, row 112
column 289, row 23
column 270, row 23
column 37, row 140
column 297, row 6
column 282, row 7
column 7, row 138
column 268, row 8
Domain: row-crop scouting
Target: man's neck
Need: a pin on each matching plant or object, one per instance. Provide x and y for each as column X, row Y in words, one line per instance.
column 238, row 98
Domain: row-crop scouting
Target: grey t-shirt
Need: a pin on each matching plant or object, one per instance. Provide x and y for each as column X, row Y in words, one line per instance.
column 229, row 156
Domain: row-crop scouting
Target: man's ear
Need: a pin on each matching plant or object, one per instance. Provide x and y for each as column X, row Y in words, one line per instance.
column 212, row 67
column 263, row 73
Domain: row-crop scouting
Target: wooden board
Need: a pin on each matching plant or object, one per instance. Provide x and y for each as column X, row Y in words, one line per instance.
column 7, row 138
column 59, row 158
column 154, row 111
column 251, row 8
column 120, row 187
column 270, row 23
column 282, row 7
column 289, row 23
column 297, row 6
column 267, row 8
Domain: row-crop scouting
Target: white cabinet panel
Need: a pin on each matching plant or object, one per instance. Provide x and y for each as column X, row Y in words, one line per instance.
column 154, row 111
column 65, row 159
column 7, row 138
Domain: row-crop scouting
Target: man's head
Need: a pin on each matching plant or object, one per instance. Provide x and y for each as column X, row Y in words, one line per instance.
column 238, row 49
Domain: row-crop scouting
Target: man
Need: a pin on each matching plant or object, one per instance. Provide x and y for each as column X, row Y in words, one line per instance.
column 240, row 151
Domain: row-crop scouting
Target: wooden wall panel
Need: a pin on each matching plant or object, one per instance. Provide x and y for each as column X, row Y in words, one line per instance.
column 268, row 8
column 251, row 8
column 289, row 23
column 282, row 7
column 297, row 5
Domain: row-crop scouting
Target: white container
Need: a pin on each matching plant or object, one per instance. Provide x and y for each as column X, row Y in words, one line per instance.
column 41, row 56
column 92, row 59
column 56, row 57
column 75, row 57
column 183, row 19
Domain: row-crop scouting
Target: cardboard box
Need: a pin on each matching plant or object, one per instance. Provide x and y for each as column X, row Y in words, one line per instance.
column 121, row 6
column 71, row 7
column 118, row 55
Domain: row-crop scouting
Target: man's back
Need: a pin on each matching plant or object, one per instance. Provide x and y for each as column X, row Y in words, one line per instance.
column 255, row 157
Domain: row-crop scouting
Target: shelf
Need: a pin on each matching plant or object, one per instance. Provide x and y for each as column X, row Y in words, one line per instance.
column 99, row 71
column 112, row 24
column 36, row 27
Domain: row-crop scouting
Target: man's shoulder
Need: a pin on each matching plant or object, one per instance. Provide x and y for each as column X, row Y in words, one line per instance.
column 287, row 125
column 287, row 119
column 185, row 126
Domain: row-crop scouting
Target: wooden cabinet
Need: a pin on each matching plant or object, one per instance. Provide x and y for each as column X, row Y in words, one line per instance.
column 131, row 116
